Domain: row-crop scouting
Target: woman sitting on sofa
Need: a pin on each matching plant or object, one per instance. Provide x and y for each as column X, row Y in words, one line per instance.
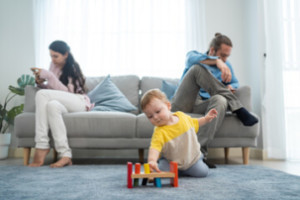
column 62, row 92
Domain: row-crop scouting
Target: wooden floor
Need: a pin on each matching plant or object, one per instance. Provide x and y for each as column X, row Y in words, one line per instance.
column 285, row 166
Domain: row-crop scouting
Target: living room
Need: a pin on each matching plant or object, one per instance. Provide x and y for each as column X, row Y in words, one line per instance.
column 251, row 26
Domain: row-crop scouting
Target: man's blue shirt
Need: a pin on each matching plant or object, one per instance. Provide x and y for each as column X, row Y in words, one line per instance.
column 194, row 57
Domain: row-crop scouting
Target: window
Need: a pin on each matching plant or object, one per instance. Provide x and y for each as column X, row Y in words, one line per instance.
column 146, row 38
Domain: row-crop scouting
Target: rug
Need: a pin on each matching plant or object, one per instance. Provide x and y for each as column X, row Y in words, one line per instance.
column 85, row 182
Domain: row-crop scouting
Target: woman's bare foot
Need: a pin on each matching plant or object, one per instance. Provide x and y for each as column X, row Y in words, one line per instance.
column 39, row 157
column 64, row 161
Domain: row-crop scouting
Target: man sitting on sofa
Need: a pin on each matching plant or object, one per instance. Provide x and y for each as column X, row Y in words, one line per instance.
column 213, row 75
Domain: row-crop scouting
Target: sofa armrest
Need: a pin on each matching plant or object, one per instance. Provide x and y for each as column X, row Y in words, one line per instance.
column 29, row 105
column 244, row 95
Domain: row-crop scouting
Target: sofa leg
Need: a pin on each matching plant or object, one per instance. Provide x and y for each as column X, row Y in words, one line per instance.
column 226, row 152
column 26, row 155
column 245, row 155
column 54, row 155
column 141, row 156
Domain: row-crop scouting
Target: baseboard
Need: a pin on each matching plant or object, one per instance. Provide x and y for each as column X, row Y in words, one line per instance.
column 86, row 153
column 214, row 153
column 18, row 153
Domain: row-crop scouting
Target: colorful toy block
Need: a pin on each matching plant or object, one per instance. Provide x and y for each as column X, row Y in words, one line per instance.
column 147, row 175
column 137, row 170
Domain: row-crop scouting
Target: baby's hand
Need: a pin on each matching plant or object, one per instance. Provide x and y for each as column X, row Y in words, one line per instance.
column 153, row 166
column 213, row 113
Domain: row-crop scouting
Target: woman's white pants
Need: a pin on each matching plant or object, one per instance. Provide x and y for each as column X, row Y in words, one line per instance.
column 50, row 107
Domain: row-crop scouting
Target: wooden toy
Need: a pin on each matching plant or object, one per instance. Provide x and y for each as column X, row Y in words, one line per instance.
column 137, row 170
column 147, row 175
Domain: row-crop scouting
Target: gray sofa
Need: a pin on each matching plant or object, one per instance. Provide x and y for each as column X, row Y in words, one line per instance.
column 132, row 130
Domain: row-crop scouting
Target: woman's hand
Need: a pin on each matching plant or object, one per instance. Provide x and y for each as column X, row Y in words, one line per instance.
column 225, row 71
column 37, row 71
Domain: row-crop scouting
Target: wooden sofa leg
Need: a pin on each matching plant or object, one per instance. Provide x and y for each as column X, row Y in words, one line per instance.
column 54, row 155
column 141, row 156
column 245, row 155
column 26, row 155
column 226, row 152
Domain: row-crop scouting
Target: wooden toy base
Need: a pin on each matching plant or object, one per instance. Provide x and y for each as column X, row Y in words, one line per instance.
column 173, row 175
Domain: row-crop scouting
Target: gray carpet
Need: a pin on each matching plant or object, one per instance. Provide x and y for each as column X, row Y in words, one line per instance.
column 109, row 182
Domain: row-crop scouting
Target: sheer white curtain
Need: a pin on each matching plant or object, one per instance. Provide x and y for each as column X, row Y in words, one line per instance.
column 195, row 25
column 281, row 104
column 291, row 76
column 273, row 103
column 116, row 37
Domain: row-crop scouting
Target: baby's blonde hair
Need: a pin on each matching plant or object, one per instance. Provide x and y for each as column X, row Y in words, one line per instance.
column 151, row 94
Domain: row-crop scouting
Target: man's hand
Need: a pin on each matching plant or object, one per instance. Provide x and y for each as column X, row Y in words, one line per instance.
column 231, row 88
column 225, row 71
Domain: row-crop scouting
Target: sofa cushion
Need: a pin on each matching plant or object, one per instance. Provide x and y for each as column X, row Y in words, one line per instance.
column 84, row 125
column 107, row 97
column 144, row 128
column 100, row 124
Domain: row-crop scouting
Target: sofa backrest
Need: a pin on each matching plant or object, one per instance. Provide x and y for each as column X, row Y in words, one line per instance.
column 133, row 88
column 148, row 82
column 128, row 85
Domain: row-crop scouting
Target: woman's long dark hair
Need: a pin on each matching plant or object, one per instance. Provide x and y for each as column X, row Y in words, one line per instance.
column 71, row 68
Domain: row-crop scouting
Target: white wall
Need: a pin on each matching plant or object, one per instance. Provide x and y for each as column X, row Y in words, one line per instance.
column 16, row 44
column 241, row 20
column 16, row 39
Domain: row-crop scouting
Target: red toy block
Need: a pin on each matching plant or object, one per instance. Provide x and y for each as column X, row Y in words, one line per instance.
column 174, row 169
column 129, row 172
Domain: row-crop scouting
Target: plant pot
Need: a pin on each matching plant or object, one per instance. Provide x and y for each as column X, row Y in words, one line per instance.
column 4, row 144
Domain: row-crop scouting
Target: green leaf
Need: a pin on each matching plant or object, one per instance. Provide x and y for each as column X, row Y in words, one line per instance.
column 22, row 82
column 25, row 80
column 18, row 91
column 12, row 113
column 2, row 112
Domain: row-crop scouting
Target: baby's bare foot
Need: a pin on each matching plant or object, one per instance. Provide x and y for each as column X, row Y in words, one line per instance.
column 39, row 157
column 64, row 161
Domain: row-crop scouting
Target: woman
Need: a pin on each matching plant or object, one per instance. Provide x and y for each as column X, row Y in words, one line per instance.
column 63, row 93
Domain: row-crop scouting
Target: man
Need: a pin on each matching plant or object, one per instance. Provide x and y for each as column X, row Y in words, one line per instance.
column 211, row 76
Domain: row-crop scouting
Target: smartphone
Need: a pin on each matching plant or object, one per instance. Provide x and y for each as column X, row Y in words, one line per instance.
column 34, row 70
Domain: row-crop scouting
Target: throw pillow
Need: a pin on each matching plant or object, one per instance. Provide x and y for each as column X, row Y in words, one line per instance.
column 107, row 97
column 168, row 88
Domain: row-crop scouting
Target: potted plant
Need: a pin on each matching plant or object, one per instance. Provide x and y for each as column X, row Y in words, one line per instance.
column 7, row 116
